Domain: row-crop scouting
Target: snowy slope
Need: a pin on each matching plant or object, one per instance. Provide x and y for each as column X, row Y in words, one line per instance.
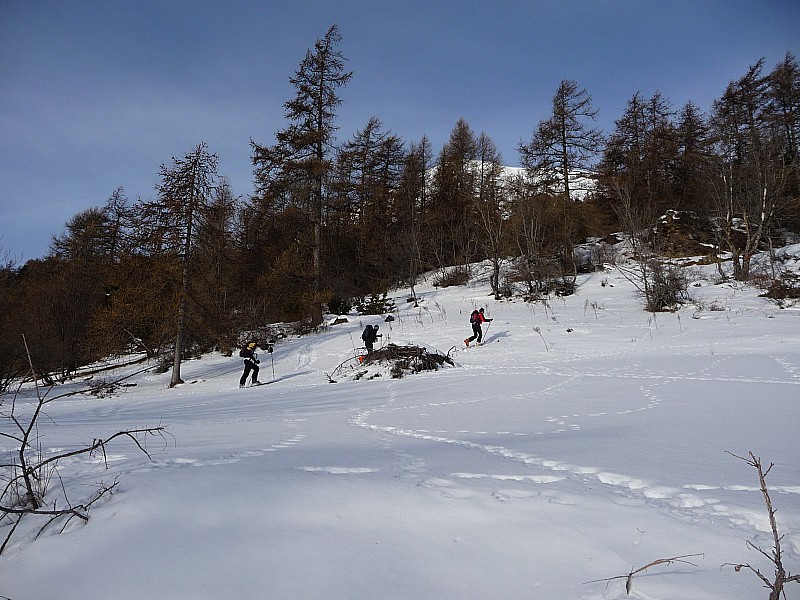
column 585, row 439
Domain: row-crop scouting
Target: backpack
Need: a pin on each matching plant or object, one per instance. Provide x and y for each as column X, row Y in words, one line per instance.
column 368, row 334
column 474, row 317
column 242, row 353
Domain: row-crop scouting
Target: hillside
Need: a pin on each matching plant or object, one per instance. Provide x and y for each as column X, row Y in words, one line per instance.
column 584, row 439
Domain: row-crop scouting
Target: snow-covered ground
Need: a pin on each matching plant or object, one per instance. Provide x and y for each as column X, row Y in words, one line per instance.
column 585, row 439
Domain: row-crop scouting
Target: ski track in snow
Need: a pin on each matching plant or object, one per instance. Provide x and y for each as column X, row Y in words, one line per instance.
column 689, row 502
column 289, row 438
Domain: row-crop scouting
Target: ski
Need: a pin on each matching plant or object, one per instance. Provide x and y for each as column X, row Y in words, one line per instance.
column 260, row 383
column 461, row 346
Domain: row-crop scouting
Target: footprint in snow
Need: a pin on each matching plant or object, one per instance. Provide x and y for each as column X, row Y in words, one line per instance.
column 340, row 470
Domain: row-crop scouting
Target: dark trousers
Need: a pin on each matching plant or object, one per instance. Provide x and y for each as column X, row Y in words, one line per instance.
column 477, row 332
column 249, row 365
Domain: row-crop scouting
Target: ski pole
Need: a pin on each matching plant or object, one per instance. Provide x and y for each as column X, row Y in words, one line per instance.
column 352, row 343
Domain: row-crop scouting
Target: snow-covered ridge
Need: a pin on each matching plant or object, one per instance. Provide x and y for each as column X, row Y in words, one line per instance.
column 581, row 183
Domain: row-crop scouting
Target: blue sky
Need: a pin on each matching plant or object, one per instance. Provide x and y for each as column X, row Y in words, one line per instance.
column 96, row 95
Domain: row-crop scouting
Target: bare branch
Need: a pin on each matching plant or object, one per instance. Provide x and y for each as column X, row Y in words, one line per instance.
column 100, row 443
column 661, row 561
column 30, row 472
column 740, row 566
column 775, row 557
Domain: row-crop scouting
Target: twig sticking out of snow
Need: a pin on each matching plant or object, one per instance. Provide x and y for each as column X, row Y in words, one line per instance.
column 661, row 561
column 782, row 576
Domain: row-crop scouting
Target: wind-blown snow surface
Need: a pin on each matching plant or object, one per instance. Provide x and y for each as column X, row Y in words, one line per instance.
column 585, row 439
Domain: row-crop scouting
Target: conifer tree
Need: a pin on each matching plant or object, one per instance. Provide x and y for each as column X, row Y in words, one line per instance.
column 691, row 171
column 784, row 104
column 639, row 160
column 184, row 193
column 563, row 146
column 295, row 171
column 216, row 267
column 367, row 177
column 412, row 203
column 562, row 151
column 490, row 196
column 451, row 218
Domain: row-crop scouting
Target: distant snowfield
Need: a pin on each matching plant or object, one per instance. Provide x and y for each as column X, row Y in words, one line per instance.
column 586, row 438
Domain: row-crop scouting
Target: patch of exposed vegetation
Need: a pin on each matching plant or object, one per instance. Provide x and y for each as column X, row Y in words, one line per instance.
column 785, row 288
column 454, row 276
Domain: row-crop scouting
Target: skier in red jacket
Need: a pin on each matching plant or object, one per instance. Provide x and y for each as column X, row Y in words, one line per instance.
column 476, row 318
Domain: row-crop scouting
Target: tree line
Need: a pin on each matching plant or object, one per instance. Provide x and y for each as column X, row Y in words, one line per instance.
column 330, row 222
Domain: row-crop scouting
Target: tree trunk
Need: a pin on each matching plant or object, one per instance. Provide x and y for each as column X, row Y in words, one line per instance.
column 184, row 293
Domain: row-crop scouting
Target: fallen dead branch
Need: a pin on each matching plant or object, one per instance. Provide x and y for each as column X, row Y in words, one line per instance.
column 661, row 561
column 406, row 358
column 398, row 359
